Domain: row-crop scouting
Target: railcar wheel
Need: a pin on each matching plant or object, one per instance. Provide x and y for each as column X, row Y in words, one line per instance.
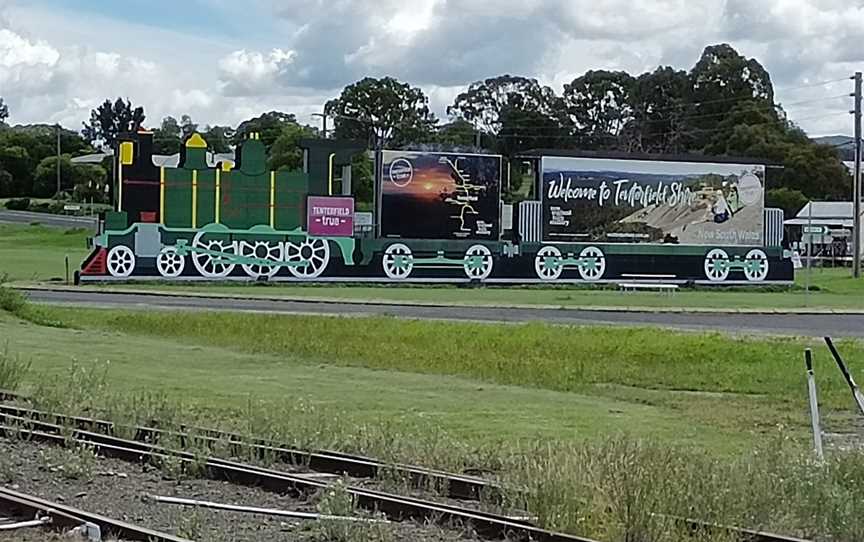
column 312, row 257
column 478, row 262
column 756, row 266
column 262, row 250
column 169, row 263
column 717, row 265
column 547, row 264
column 213, row 264
column 121, row 261
column 398, row 261
column 593, row 264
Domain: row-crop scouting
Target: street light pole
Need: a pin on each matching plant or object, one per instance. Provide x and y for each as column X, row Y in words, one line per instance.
column 856, row 190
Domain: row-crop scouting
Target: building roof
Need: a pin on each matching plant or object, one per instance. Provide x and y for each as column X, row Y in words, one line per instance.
column 824, row 213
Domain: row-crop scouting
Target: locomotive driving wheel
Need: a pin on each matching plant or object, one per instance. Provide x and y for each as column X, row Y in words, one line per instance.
column 756, row 266
column 593, row 265
column 547, row 263
column 717, row 265
column 121, row 261
column 211, row 255
column 478, row 262
column 170, row 263
column 262, row 250
column 398, row 261
column 311, row 258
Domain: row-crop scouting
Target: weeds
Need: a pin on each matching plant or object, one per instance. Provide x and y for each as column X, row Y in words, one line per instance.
column 13, row 370
column 77, row 462
column 190, row 523
column 16, row 304
column 338, row 502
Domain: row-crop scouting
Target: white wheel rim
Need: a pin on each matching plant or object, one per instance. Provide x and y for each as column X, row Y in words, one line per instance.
column 599, row 267
column 391, row 255
column 478, row 273
column 711, row 271
column 761, row 273
column 169, row 263
column 314, row 252
column 121, row 261
column 542, row 267
column 262, row 250
column 209, row 266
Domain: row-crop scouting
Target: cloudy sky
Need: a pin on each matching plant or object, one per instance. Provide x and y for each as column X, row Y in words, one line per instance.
column 222, row 61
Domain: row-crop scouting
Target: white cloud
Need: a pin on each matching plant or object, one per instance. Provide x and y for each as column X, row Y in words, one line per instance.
column 55, row 65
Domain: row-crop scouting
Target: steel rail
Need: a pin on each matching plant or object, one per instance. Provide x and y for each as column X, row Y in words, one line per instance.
column 394, row 507
column 67, row 517
column 457, row 486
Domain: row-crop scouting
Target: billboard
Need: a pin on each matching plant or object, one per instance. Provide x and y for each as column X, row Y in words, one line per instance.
column 646, row 201
column 330, row 216
column 429, row 195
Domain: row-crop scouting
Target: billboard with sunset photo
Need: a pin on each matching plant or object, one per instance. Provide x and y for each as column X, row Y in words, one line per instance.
column 428, row 195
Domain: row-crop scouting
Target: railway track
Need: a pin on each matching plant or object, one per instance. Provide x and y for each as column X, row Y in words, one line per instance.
column 27, row 511
column 48, row 427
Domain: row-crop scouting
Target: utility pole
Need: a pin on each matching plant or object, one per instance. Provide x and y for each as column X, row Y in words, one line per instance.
column 856, row 191
column 58, row 160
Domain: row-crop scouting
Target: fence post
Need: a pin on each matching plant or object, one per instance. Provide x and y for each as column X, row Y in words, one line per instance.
column 814, row 405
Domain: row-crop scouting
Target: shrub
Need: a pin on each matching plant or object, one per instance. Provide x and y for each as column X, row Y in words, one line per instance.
column 19, row 204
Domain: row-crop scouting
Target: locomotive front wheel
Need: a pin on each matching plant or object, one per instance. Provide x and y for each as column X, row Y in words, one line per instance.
column 169, row 263
column 717, row 265
column 756, row 266
column 261, row 250
column 121, row 261
column 311, row 258
column 398, row 262
column 478, row 262
column 547, row 264
column 214, row 263
column 593, row 265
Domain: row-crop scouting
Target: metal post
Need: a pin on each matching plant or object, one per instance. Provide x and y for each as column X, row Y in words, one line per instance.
column 814, row 405
column 856, row 392
column 856, row 190
column 809, row 247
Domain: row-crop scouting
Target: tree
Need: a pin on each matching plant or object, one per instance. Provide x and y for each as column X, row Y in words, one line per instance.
column 517, row 111
column 791, row 201
column 384, row 112
column 459, row 133
column 721, row 78
column 362, row 181
column 90, row 183
column 110, row 120
column 600, row 106
column 268, row 126
column 218, row 138
column 484, row 102
column 166, row 138
column 187, row 127
column 4, row 111
column 286, row 153
column 660, row 105
column 7, row 184
column 17, row 161
column 45, row 182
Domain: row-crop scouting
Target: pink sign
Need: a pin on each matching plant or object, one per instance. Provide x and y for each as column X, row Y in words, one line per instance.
column 329, row 216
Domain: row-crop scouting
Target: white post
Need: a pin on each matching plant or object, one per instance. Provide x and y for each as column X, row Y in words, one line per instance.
column 814, row 406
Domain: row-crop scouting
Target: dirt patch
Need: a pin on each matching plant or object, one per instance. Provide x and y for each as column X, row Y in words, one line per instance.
column 119, row 490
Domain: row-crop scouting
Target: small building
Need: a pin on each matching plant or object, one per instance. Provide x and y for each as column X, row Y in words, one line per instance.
column 826, row 227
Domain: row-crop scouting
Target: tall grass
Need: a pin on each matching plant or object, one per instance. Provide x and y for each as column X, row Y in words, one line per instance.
column 14, row 303
column 13, row 370
column 550, row 357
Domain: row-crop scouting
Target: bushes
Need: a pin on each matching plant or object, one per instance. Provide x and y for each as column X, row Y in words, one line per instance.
column 20, row 204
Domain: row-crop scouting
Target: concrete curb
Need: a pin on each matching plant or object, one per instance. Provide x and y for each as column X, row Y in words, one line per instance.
column 397, row 303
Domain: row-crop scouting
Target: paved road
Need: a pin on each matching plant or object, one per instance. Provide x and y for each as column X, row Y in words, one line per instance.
column 53, row 221
column 799, row 325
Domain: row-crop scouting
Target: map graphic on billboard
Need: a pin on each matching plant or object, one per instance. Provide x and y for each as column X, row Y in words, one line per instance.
column 646, row 201
column 428, row 195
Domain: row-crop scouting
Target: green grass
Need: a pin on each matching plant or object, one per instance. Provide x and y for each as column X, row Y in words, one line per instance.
column 481, row 381
column 37, row 253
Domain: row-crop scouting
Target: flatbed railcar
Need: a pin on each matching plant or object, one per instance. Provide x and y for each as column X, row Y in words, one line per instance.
column 436, row 217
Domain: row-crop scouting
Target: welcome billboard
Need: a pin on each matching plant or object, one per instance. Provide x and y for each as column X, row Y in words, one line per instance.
column 429, row 195
column 648, row 201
